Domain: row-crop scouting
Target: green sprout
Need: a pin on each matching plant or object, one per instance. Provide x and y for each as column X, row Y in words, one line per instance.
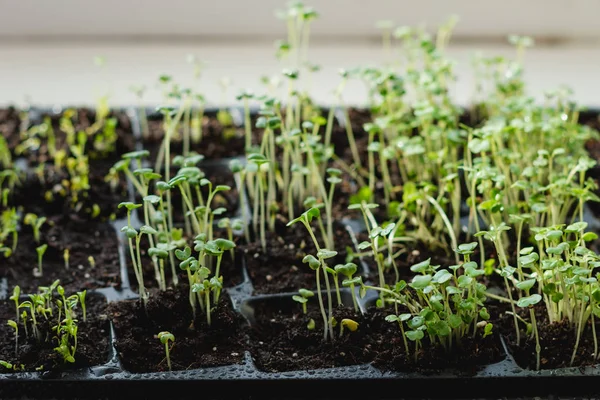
column 40, row 250
column 66, row 257
column 166, row 337
column 136, row 259
column 348, row 270
column 15, row 298
column 81, row 296
column 348, row 323
column 36, row 223
column 302, row 298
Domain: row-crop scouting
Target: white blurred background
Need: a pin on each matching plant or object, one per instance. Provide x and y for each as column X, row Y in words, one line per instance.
column 47, row 48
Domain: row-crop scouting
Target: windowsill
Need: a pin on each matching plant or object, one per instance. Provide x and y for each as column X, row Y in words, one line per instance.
column 50, row 74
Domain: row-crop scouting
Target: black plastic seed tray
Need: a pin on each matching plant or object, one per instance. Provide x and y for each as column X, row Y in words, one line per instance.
column 500, row 380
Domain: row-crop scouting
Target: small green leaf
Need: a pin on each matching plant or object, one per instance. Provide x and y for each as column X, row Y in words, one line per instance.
column 487, row 330
column 154, row 199
column 576, row 227
column 306, row 293
column 224, row 244
column 183, row 254
column 529, row 300
column 466, row 248
column 454, row 321
column 352, row 282
column 391, row 318
column 441, row 328
column 325, row 254
column 453, row 290
column 526, row 284
column 312, row 262
column 420, row 282
column 414, row 335
column 364, row 245
column 156, row 252
column 347, row 269
column 464, row 281
column 299, row 299
column 484, row 314
column 442, row 276
column 589, row 236
column 421, row 267
column 148, row 230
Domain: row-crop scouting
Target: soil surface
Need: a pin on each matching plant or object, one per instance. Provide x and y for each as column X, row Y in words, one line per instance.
column 92, row 339
column 281, row 341
column 217, row 140
column 221, row 343
column 557, row 341
column 82, row 119
column 53, row 196
column 83, row 240
column 280, row 269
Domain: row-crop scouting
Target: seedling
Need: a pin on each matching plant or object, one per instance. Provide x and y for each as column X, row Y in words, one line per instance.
column 521, row 168
column 317, row 264
column 230, row 226
column 36, row 224
column 350, row 324
column 302, row 298
column 40, row 250
column 8, row 223
column 81, row 296
column 66, row 257
column 166, row 337
column 136, row 259
column 15, row 297
column 51, row 316
column 348, row 270
column 217, row 248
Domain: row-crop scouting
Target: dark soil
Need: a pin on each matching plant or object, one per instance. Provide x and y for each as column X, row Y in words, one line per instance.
column 83, row 119
column 339, row 136
column 344, row 193
column 223, row 343
column 83, row 240
column 10, row 123
column 466, row 358
column 53, row 197
column 557, row 341
column 280, row 269
column 217, row 141
column 281, row 341
column 92, row 339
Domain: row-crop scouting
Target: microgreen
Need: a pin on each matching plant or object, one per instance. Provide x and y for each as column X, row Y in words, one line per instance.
column 136, row 259
column 50, row 308
column 302, row 298
column 166, row 337
column 349, row 324
column 36, row 223
column 40, row 250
